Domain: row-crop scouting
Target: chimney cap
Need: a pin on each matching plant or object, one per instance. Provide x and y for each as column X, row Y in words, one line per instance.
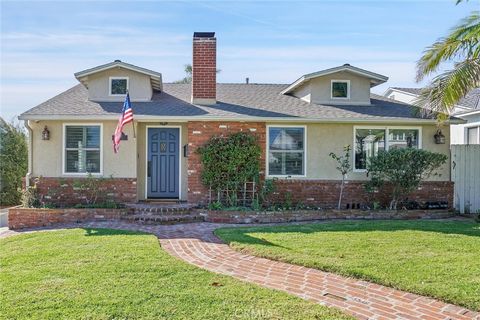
column 204, row 34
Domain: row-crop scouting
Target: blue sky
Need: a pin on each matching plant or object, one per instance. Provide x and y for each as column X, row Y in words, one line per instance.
column 44, row 43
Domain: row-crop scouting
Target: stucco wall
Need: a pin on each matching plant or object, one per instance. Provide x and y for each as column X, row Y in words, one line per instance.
column 47, row 154
column 320, row 89
column 325, row 138
column 139, row 85
column 142, row 152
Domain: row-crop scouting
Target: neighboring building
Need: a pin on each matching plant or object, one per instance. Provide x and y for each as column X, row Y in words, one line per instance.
column 297, row 126
column 467, row 109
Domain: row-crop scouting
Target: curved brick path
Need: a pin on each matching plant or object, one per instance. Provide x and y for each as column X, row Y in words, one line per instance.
column 196, row 244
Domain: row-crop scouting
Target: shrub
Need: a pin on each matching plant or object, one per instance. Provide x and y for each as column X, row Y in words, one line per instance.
column 230, row 162
column 13, row 162
column 405, row 169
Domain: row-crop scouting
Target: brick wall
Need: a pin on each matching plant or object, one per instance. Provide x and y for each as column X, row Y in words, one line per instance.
column 68, row 191
column 325, row 193
column 198, row 134
column 19, row 218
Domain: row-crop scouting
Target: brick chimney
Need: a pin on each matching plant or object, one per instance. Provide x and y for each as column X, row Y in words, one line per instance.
column 204, row 68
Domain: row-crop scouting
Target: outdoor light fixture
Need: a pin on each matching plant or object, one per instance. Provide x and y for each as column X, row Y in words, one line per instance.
column 185, row 151
column 439, row 137
column 45, row 134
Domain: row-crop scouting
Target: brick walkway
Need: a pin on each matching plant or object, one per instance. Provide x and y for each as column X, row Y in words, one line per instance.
column 196, row 244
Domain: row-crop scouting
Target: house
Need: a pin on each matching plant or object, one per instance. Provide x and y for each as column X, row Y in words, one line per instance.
column 297, row 126
column 467, row 109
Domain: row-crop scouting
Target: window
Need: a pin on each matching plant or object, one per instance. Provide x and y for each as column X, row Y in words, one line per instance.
column 369, row 141
column 82, row 149
column 286, row 151
column 118, row 86
column 340, row 89
column 473, row 135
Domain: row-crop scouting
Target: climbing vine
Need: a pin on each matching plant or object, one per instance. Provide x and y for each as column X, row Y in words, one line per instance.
column 229, row 163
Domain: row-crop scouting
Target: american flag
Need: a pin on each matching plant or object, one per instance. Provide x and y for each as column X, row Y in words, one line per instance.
column 126, row 117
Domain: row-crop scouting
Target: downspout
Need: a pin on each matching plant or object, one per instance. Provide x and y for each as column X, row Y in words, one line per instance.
column 30, row 152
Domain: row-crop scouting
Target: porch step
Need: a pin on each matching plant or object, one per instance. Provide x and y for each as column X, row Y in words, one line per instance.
column 163, row 219
column 160, row 209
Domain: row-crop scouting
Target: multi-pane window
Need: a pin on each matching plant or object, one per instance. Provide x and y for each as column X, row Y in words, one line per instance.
column 368, row 142
column 473, row 135
column 340, row 89
column 286, row 151
column 118, row 86
column 82, row 149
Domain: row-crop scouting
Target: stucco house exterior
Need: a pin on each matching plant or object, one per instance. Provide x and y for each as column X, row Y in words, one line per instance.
column 467, row 109
column 297, row 126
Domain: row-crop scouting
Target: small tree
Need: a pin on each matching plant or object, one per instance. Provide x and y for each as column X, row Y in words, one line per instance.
column 13, row 162
column 343, row 166
column 405, row 169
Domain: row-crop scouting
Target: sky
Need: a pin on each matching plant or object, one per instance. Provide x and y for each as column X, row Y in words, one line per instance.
column 44, row 43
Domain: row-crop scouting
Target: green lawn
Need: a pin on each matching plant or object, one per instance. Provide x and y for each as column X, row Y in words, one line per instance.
column 108, row 274
column 436, row 258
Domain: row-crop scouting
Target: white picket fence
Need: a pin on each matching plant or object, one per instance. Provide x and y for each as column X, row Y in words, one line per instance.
column 466, row 176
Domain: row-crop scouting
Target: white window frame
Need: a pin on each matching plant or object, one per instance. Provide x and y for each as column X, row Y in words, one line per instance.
column 64, row 148
column 467, row 127
column 304, row 127
column 387, row 131
column 110, row 86
column 348, row 90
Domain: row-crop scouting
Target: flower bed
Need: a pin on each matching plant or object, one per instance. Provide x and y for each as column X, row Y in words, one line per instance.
column 225, row 216
column 19, row 217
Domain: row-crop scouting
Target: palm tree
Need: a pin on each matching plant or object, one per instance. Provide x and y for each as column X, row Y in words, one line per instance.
column 462, row 47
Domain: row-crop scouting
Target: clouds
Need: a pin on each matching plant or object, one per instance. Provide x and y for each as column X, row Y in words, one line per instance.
column 44, row 43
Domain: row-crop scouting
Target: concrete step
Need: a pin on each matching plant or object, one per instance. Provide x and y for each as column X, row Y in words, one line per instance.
column 163, row 219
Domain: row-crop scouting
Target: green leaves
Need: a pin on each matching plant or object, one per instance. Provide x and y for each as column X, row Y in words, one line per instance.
column 405, row 169
column 229, row 162
column 13, row 162
column 461, row 46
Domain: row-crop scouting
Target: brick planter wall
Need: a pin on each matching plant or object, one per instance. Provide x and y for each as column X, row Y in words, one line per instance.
column 198, row 134
column 310, row 215
column 325, row 193
column 65, row 191
column 19, row 218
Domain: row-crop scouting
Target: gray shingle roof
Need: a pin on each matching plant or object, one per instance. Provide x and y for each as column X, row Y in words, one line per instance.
column 235, row 101
column 470, row 101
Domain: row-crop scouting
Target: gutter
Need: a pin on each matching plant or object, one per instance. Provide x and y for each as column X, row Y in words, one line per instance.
column 143, row 118
column 30, row 152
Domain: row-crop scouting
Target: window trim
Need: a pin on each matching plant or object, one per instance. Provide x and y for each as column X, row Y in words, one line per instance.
column 472, row 126
column 64, row 148
column 348, row 89
column 387, row 131
column 110, row 86
column 267, row 152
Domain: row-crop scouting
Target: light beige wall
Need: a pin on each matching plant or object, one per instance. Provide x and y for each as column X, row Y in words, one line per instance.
column 325, row 138
column 142, row 153
column 139, row 85
column 47, row 154
column 320, row 89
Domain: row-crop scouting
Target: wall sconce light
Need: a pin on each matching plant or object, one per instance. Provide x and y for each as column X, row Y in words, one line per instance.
column 439, row 137
column 123, row 137
column 185, row 151
column 163, row 123
column 45, row 134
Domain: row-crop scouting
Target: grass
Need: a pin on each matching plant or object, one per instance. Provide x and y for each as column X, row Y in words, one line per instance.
column 111, row 274
column 435, row 258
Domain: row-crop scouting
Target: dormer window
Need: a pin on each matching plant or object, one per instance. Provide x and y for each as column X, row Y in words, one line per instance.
column 340, row 89
column 118, row 86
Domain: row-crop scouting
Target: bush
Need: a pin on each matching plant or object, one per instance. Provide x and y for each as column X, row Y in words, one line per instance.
column 13, row 162
column 405, row 169
column 230, row 162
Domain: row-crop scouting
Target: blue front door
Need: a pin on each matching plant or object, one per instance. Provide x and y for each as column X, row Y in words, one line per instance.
column 162, row 163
